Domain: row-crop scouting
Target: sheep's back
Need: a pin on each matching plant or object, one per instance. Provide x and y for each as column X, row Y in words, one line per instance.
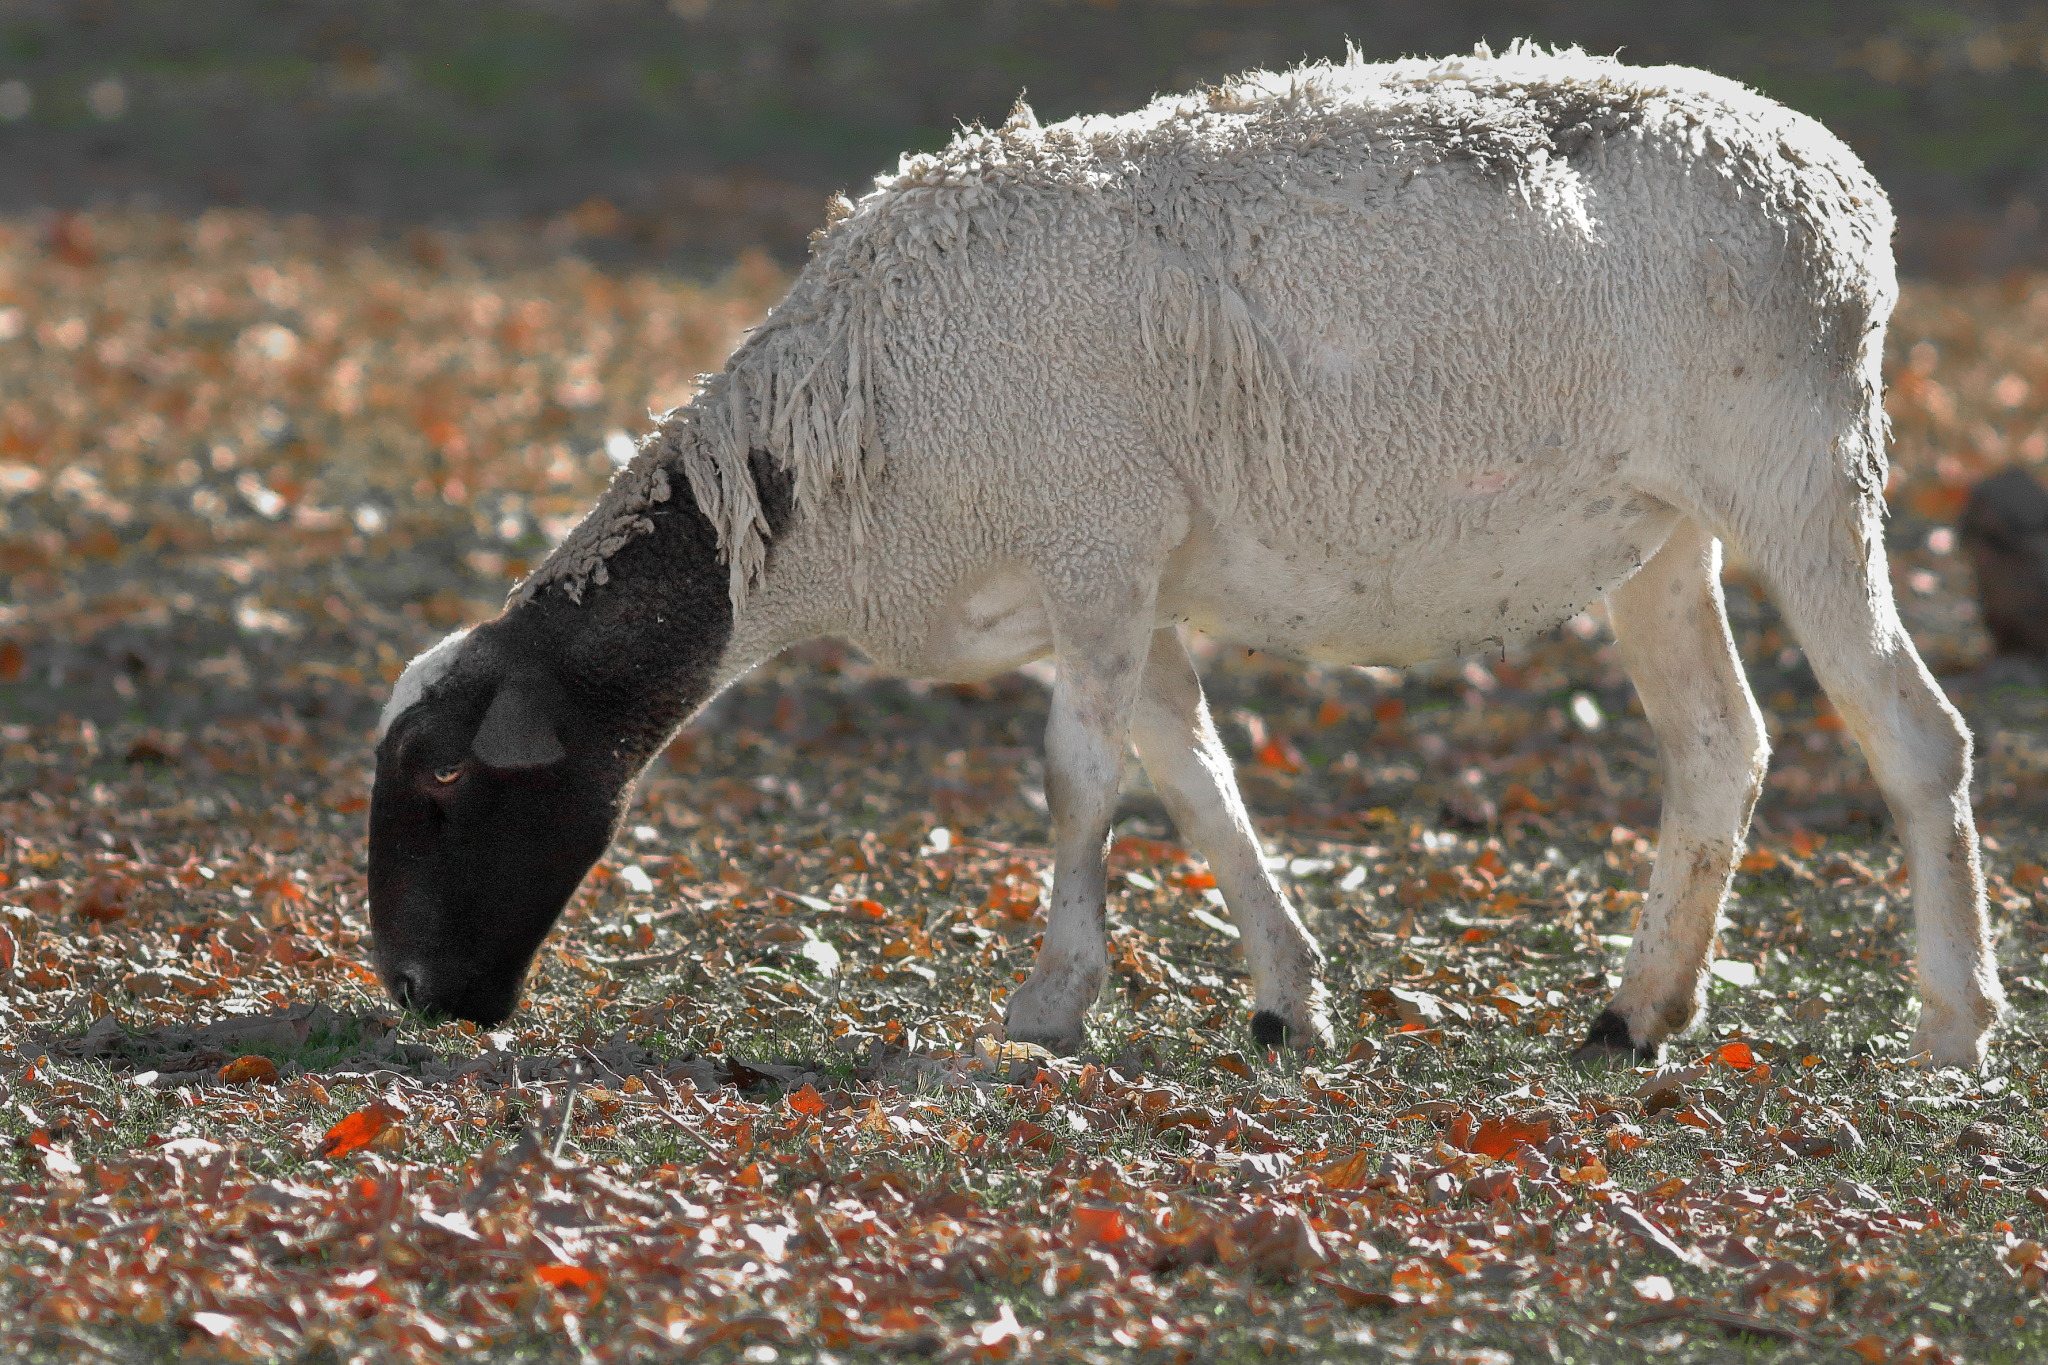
column 1323, row 287
column 1306, row 302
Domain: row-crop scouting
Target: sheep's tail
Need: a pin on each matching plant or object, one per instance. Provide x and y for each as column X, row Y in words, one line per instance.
column 798, row 390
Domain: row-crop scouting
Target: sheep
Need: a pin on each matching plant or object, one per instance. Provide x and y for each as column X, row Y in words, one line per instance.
column 1362, row 363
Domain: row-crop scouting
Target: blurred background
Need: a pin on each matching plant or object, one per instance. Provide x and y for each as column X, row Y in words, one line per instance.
column 689, row 128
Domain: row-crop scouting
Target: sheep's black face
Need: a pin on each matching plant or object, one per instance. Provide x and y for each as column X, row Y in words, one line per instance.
column 486, row 814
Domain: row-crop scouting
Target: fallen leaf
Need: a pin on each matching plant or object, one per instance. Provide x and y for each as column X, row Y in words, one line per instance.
column 1498, row 1137
column 1737, row 1055
column 1630, row 1220
column 243, row 1070
column 589, row 1283
column 357, row 1131
column 1099, row 1227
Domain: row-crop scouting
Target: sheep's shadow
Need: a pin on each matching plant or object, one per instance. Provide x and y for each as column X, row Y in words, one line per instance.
column 313, row 1039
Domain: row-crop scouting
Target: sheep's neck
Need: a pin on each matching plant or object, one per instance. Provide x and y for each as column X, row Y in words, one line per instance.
column 642, row 650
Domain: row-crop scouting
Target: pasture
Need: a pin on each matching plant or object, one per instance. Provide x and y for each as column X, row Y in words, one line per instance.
column 752, row 1109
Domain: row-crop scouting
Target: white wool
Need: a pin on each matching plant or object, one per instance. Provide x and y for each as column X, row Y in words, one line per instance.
column 420, row 675
column 1195, row 189
column 1173, row 208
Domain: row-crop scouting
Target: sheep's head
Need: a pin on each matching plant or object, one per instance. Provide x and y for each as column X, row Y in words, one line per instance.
column 491, row 802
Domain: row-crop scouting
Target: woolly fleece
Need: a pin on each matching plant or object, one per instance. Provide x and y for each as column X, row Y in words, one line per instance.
column 1264, row 263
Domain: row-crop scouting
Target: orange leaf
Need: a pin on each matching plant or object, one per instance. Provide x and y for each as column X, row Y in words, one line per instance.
column 1016, row 893
column 567, row 1277
column 1025, row 1133
column 1872, row 1348
column 2029, row 874
column 806, row 1100
column 259, row 1069
column 1494, row 1186
column 1347, row 1174
column 1278, row 754
column 1145, row 850
column 1499, row 1137
column 1737, row 1055
column 1330, row 713
column 1804, row 842
column 357, row 1131
column 1104, row 1227
column 1699, row 1116
column 1625, row 1137
column 1758, row 860
column 1418, row 1279
column 105, row 899
column 1938, row 501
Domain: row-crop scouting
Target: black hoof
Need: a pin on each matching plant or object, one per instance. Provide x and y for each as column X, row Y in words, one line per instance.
column 1608, row 1044
column 1268, row 1029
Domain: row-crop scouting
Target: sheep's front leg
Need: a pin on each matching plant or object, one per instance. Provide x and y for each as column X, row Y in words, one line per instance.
column 1192, row 774
column 1100, row 663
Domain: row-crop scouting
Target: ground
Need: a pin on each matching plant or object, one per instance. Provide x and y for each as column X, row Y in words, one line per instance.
column 753, row 1107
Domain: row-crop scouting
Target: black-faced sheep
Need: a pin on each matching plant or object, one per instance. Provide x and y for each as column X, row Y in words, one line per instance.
column 1364, row 363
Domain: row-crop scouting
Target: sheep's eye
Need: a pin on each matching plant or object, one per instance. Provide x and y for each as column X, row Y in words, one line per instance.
column 447, row 775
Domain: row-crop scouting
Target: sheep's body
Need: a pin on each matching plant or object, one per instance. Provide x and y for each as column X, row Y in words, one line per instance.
column 1370, row 364
column 1355, row 330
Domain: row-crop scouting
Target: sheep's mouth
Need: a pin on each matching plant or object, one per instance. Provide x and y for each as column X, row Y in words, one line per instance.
column 436, row 988
column 485, row 1007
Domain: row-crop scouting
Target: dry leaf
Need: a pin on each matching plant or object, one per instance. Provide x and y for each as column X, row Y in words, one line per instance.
column 243, row 1070
column 357, row 1131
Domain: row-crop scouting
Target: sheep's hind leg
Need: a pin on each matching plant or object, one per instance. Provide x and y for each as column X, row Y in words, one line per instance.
column 1674, row 638
column 1101, row 655
column 1192, row 774
column 1833, row 586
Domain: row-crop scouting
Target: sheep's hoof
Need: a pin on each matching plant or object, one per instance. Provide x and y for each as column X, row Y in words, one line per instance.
column 1051, row 1009
column 1608, row 1044
column 1020, row 1026
column 1269, row 1030
column 1053, row 1041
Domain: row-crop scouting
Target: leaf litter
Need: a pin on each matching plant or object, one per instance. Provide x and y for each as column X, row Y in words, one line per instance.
column 756, row 1106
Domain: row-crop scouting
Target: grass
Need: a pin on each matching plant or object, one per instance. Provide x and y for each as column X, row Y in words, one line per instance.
column 766, row 1159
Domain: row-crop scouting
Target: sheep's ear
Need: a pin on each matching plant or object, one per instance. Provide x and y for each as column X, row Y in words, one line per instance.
column 516, row 732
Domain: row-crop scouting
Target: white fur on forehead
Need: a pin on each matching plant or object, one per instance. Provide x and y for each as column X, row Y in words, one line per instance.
column 421, row 674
